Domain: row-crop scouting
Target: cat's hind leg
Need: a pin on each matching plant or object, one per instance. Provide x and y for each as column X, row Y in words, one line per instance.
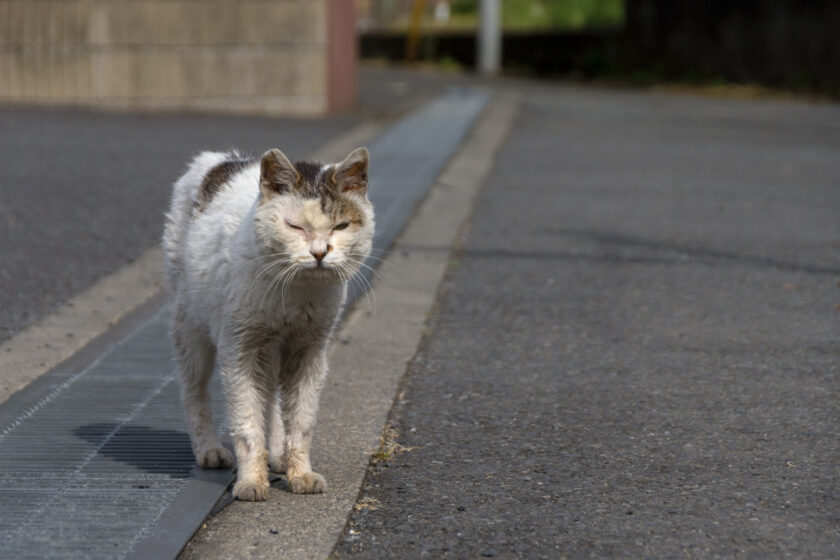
column 196, row 354
column 276, row 435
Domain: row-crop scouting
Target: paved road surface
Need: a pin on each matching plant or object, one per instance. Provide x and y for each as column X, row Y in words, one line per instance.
column 636, row 349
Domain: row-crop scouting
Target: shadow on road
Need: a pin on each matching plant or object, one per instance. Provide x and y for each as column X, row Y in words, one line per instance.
column 151, row 450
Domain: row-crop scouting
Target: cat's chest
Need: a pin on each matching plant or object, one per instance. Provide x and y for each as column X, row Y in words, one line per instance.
column 300, row 319
column 305, row 312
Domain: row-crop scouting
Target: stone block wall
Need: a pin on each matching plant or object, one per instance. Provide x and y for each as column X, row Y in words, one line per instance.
column 255, row 56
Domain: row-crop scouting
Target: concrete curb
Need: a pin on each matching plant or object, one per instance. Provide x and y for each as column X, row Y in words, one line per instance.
column 368, row 362
column 40, row 347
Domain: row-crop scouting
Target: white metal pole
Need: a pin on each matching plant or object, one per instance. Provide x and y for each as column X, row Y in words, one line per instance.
column 489, row 37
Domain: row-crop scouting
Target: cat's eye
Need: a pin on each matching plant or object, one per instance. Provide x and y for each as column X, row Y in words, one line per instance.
column 341, row 226
column 293, row 226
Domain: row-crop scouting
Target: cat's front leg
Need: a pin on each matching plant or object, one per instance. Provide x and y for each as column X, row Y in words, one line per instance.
column 300, row 405
column 247, row 397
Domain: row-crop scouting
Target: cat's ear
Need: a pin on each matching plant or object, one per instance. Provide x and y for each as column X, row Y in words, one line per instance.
column 351, row 175
column 277, row 174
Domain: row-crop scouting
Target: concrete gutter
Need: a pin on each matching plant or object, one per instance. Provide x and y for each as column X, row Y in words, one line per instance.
column 368, row 361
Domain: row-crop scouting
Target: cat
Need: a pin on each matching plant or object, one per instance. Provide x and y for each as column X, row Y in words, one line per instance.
column 258, row 256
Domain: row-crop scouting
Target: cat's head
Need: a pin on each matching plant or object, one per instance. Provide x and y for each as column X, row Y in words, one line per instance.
column 316, row 215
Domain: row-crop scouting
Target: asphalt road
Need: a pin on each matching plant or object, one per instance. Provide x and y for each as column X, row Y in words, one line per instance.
column 635, row 352
column 83, row 192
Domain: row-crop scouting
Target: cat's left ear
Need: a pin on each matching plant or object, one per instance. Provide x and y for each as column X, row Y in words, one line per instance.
column 277, row 174
column 351, row 175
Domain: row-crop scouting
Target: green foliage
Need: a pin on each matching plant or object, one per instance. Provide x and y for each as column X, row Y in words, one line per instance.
column 571, row 14
column 463, row 7
column 546, row 14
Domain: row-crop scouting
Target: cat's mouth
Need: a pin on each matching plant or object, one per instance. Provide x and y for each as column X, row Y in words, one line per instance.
column 321, row 269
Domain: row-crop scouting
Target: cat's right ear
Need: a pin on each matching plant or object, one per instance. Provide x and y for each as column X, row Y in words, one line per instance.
column 351, row 175
column 277, row 174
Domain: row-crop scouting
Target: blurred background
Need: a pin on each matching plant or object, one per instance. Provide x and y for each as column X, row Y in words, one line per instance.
column 300, row 57
column 779, row 43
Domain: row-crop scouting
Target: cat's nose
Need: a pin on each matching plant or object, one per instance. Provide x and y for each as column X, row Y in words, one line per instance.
column 319, row 255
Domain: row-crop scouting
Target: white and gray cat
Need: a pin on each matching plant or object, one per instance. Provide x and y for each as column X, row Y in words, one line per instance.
column 258, row 256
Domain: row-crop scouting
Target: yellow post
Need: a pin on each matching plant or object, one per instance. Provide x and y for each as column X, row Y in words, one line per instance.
column 413, row 39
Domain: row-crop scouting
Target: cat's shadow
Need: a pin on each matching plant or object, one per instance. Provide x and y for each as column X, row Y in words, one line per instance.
column 151, row 450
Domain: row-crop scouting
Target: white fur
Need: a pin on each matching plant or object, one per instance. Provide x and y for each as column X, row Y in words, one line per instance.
column 247, row 293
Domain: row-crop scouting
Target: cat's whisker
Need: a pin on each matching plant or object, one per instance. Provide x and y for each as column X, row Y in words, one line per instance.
column 359, row 278
column 368, row 288
column 374, row 250
column 272, row 286
column 279, row 260
column 365, row 286
column 380, row 262
column 352, row 281
column 341, row 274
column 264, row 269
column 269, row 255
column 375, row 272
column 294, row 270
column 355, row 249
column 287, row 282
column 365, row 257
column 283, row 284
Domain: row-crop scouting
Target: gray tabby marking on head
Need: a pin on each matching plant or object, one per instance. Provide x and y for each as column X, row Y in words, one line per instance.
column 310, row 184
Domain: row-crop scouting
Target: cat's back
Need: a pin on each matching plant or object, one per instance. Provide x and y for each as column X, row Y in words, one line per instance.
column 208, row 201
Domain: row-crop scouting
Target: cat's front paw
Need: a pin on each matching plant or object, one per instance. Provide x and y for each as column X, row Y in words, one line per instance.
column 215, row 458
column 251, row 490
column 308, row 483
